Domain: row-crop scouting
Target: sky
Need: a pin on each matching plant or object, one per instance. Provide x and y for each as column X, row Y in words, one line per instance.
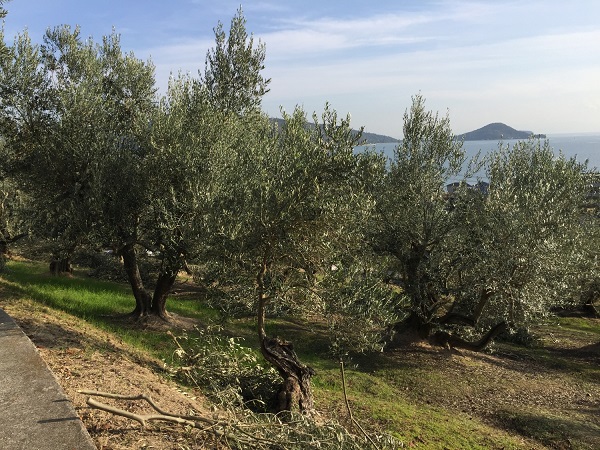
column 533, row 65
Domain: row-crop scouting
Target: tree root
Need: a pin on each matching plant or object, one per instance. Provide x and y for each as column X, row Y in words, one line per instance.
column 446, row 339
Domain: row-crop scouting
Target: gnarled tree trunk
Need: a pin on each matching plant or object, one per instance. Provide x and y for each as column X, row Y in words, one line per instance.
column 60, row 265
column 164, row 283
column 448, row 340
column 295, row 392
column 143, row 301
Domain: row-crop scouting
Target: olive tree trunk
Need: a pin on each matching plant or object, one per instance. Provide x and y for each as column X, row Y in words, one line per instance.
column 145, row 303
column 295, row 393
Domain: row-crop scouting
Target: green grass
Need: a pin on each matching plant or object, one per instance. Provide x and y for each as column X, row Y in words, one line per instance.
column 580, row 324
column 98, row 303
column 387, row 392
column 378, row 398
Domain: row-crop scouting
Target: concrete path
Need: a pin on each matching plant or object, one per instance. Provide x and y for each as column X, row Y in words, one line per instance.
column 34, row 411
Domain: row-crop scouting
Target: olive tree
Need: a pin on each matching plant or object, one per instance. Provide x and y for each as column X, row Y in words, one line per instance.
column 30, row 129
column 13, row 224
column 412, row 219
column 478, row 259
column 76, row 119
column 286, row 203
column 233, row 69
column 590, row 295
column 108, row 163
column 527, row 244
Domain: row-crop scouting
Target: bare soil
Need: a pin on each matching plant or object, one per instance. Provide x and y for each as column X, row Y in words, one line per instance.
column 85, row 358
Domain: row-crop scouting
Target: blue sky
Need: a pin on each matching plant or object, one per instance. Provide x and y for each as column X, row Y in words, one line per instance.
column 534, row 65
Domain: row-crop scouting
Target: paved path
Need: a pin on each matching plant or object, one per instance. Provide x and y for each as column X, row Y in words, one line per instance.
column 34, row 411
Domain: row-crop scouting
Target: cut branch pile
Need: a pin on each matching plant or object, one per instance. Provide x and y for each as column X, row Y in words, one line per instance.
column 248, row 430
column 222, row 430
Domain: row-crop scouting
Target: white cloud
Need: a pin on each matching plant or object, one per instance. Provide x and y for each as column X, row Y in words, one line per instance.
column 482, row 60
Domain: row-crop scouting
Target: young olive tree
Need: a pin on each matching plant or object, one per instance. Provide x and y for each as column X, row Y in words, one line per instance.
column 286, row 201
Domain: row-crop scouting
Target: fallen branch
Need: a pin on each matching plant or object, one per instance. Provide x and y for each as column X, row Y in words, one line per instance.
column 141, row 418
column 150, row 402
column 352, row 419
column 216, row 427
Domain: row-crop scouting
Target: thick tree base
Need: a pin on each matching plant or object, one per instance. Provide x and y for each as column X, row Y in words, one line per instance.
column 149, row 317
column 295, row 393
column 59, row 266
column 450, row 341
column 411, row 330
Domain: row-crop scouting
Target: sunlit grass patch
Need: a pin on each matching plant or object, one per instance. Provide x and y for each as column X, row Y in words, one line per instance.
column 100, row 303
column 580, row 324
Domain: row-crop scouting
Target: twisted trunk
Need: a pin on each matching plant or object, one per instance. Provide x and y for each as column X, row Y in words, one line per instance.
column 146, row 304
column 425, row 325
column 143, row 301
column 161, row 292
column 448, row 340
column 295, row 392
column 60, row 265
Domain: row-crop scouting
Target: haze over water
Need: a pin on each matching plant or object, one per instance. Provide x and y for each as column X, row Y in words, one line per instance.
column 581, row 146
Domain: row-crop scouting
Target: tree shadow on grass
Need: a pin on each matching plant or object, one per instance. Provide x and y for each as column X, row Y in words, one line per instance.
column 61, row 336
column 553, row 431
column 543, row 360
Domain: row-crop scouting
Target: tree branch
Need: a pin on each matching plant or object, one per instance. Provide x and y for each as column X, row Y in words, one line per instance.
column 218, row 428
column 352, row 419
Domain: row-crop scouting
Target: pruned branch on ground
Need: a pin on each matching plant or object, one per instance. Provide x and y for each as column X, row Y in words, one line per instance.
column 247, row 430
column 350, row 415
column 219, row 428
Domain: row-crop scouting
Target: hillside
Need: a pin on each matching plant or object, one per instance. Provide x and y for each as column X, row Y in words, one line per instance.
column 496, row 131
column 373, row 138
column 370, row 138
column 539, row 397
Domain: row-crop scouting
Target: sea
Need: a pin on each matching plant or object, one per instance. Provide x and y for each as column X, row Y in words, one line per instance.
column 583, row 147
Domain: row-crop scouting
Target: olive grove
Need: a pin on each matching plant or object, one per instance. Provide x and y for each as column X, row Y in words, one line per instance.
column 283, row 219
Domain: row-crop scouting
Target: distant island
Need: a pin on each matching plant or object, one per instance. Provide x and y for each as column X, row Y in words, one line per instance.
column 496, row 132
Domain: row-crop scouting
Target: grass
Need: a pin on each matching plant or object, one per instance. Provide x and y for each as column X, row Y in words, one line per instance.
column 420, row 397
column 382, row 402
column 579, row 324
column 97, row 302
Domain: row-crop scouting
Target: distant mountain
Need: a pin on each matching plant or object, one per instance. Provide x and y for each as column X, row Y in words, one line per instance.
column 371, row 138
column 497, row 132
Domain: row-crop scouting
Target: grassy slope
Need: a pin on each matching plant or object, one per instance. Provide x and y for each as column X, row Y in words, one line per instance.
column 426, row 397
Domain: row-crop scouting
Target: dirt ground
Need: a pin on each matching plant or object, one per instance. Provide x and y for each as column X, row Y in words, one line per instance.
column 84, row 358
column 525, row 393
column 550, row 396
